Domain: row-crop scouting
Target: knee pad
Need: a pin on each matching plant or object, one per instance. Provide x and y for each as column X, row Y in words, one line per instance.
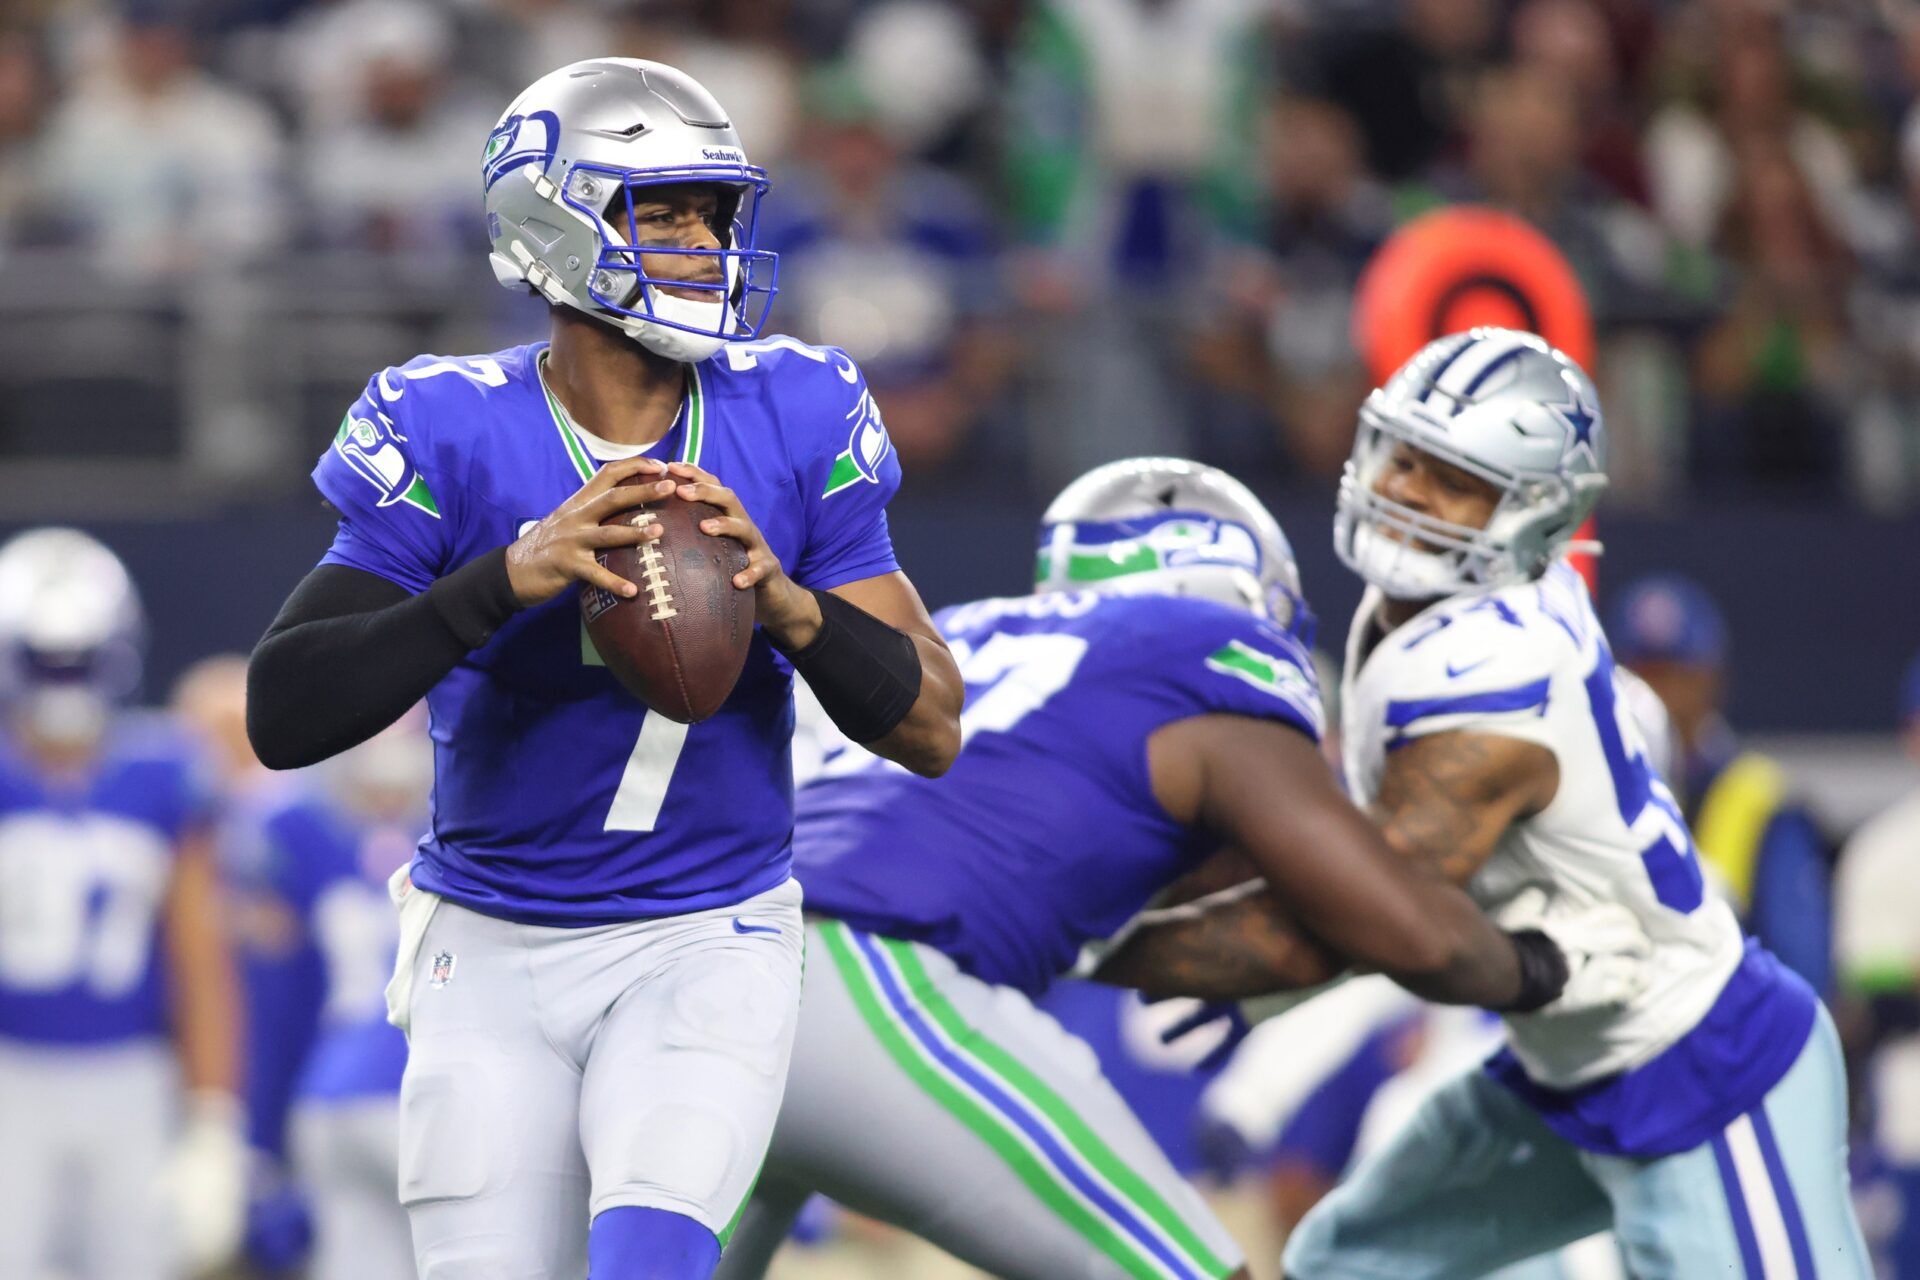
column 633, row 1242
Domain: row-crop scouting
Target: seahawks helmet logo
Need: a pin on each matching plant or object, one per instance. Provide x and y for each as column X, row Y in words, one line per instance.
column 520, row 140
column 371, row 446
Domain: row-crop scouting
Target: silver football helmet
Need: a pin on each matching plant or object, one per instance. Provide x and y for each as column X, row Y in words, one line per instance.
column 1504, row 406
column 71, row 632
column 1167, row 526
column 561, row 171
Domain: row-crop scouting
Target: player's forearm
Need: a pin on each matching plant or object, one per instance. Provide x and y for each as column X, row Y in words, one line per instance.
column 351, row 652
column 891, row 688
column 204, row 990
column 1232, row 951
column 928, row 739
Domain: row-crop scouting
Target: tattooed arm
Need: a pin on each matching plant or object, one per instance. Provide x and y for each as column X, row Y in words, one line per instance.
column 1446, row 799
column 1234, row 950
column 1264, row 788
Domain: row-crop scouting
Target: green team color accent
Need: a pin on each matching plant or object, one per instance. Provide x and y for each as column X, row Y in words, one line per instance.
column 843, row 476
column 418, row 495
column 988, row 1128
column 1079, row 1134
column 1247, row 663
column 584, row 465
column 1097, row 566
column 1074, row 1131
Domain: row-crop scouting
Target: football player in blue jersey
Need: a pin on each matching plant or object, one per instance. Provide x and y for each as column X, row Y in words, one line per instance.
column 1704, row 1118
column 345, row 1125
column 116, row 990
column 271, row 836
column 601, row 941
column 1151, row 700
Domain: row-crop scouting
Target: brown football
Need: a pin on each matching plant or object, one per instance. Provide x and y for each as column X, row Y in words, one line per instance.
column 680, row 644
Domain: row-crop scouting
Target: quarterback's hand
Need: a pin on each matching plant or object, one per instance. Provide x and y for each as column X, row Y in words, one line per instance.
column 1607, row 948
column 560, row 549
column 787, row 610
column 205, row 1182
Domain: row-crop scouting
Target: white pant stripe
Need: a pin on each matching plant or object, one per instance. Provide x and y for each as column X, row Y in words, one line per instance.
column 1763, row 1207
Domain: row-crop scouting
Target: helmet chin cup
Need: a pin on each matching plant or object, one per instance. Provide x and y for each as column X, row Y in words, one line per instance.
column 1401, row 570
column 671, row 343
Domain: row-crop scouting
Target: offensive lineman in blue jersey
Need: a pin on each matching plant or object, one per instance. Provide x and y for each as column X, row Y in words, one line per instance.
column 346, row 1118
column 601, row 951
column 115, row 985
column 1151, row 700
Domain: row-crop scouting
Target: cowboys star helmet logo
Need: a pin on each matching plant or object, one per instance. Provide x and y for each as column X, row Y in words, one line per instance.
column 1580, row 421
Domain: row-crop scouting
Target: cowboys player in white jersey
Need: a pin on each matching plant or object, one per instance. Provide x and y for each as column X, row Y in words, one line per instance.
column 1705, row 1121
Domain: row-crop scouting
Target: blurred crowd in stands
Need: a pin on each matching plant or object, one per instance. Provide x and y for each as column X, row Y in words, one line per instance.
column 1057, row 231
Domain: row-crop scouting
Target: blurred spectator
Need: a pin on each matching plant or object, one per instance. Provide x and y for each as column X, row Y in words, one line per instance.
column 920, row 63
column 1282, row 339
column 157, row 168
column 1126, row 153
column 740, row 50
column 1877, row 933
column 1762, row 846
column 25, row 92
column 899, row 264
column 518, row 41
column 1129, row 133
column 396, row 170
column 1749, row 89
column 1772, row 374
column 1405, row 72
column 1570, row 41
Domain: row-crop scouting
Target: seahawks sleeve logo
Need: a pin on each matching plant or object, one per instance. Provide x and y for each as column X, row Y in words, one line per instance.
column 1271, row 675
column 372, row 448
column 867, row 447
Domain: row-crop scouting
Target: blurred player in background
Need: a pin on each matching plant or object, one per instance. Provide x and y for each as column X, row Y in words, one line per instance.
column 125, row 1155
column 601, row 944
column 346, row 1123
column 1877, row 931
column 1152, row 700
column 272, row 834
column 1765, row 849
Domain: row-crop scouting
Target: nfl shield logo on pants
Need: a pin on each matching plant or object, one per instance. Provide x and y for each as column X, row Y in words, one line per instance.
column 442, row 969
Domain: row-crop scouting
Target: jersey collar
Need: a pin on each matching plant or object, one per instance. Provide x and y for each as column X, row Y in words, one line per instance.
column 690, row 422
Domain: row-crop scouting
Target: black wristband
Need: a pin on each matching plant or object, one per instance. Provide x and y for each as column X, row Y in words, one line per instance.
column 865, row 673
column 475, row 599
column 1543, row 971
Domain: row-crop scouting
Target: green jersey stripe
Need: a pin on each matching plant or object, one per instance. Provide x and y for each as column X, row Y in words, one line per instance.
column 1073, row 1128
column 696, row 417
column 993, row 1131
column 690, row 448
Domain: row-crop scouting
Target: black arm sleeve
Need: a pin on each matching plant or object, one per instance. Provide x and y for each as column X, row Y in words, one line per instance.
column 351, row 651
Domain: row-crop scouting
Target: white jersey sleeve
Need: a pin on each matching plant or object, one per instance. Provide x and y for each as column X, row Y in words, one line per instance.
column 1531, row 662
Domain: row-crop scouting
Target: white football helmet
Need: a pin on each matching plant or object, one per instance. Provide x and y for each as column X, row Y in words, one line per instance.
column 71, row 632
column 561, row 171
column 1504, row 406
column 1167, row 526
